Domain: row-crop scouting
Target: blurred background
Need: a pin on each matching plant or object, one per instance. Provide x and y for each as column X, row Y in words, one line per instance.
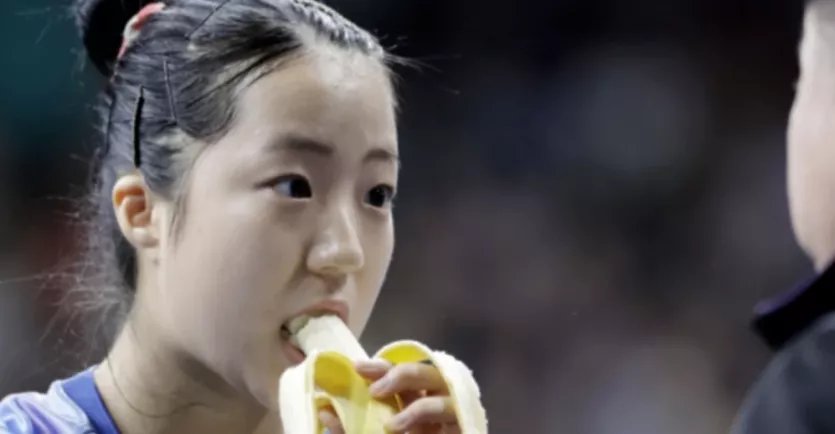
column 592, row 200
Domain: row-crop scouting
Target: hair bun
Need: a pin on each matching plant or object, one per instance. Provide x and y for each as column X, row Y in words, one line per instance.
column 101, row 23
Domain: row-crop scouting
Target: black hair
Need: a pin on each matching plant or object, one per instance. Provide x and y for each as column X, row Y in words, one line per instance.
column 172, row 87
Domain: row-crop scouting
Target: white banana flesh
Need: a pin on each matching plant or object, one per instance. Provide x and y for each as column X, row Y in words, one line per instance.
column 327, row 379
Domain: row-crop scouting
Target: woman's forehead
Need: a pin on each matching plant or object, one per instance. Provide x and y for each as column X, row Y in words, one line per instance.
column 321, row 88
column 345, row 101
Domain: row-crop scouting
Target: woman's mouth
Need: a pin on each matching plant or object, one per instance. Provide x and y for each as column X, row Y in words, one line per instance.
column 291, row 327
column 294, row 354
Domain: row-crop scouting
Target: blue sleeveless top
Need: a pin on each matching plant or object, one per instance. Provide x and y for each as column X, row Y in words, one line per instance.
column 70, row 406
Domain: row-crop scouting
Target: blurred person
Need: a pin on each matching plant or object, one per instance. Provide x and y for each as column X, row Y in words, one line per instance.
column 796, row 392
column 249, row 162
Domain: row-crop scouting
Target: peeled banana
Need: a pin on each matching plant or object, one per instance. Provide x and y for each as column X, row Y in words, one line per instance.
column 327, row 379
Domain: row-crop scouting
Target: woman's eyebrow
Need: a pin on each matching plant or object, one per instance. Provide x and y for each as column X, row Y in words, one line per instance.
column 300, row 143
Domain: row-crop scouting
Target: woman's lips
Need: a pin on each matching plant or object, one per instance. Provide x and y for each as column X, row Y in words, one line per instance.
column 294, row 354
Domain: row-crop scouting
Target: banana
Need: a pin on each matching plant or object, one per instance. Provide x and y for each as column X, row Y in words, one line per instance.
column 327, row 378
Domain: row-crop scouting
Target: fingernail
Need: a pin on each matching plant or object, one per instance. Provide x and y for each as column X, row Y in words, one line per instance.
column 371, row 365
column 399, row 422
column 379, row 387
column 363, row 366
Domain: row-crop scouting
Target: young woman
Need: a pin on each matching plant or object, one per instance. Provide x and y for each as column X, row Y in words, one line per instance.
column 249, row 160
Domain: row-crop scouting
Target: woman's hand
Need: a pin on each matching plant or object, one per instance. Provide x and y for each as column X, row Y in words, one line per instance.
column 427, row 409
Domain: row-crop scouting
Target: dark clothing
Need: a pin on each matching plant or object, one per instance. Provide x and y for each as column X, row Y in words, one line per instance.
column 796, row 392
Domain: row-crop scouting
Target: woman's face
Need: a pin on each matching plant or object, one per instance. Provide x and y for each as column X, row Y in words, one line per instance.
column 289, row 210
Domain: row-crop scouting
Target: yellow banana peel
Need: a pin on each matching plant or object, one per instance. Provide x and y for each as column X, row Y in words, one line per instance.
column 327, row 379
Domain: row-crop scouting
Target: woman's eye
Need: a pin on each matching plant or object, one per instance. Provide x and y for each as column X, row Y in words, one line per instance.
column 380, row 196
column 294, row 186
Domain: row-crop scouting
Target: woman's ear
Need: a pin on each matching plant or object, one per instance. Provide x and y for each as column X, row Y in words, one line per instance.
column 134, row 205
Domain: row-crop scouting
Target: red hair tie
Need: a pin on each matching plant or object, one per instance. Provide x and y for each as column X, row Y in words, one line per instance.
column 136, row 23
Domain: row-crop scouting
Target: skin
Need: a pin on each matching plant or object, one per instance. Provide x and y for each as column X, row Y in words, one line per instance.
column 202, row 350
column 811, row 151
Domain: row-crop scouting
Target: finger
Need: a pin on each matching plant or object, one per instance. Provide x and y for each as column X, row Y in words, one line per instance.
column 409, row 376
column 407, row 397
column 376, row 368
column 372, row 369
column 331, row 422
column 424, row 412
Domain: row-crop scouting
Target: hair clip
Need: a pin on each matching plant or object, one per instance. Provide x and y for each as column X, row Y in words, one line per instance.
column 137, row 119
column 172, row 106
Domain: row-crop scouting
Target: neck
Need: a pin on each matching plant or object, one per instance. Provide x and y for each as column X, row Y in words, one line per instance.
column 148, row 387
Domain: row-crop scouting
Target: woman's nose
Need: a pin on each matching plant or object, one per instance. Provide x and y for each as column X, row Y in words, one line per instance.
column 336, row 249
